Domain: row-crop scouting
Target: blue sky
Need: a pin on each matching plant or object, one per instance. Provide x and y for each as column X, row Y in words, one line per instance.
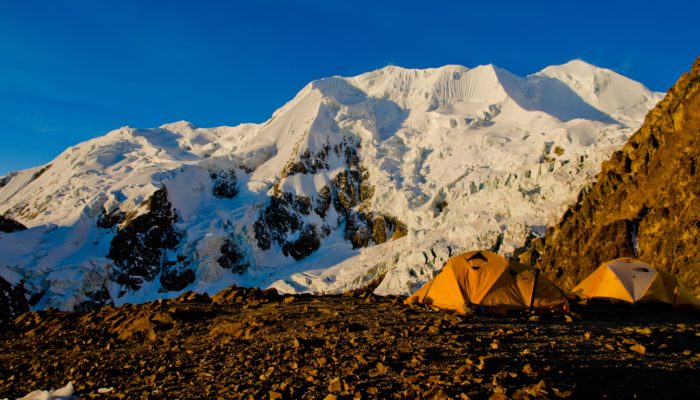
column 73, row 70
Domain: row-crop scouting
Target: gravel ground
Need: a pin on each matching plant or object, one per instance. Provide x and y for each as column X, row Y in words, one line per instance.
column 247, row 343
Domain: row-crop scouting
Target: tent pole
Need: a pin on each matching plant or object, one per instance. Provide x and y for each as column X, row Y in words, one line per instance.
column 428, row 290
column 534, row 287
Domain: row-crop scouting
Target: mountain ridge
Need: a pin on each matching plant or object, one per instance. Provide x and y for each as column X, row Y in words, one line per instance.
column 447, row 159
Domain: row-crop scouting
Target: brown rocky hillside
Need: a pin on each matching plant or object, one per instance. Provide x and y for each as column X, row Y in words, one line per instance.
column 645, row 202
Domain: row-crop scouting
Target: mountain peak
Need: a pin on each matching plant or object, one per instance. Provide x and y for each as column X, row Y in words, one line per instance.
column 575, row 69
column 606, row 90
column 179, row 126
column 579, row 63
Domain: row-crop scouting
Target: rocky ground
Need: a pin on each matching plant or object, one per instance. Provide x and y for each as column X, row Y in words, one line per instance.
column 246, row 343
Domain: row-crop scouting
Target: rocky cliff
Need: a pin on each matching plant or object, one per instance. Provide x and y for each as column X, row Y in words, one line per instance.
column 10, row 225
column 12, row 301
column 645, row 202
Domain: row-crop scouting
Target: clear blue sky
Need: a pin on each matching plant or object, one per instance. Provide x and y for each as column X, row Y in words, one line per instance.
column 73, row 70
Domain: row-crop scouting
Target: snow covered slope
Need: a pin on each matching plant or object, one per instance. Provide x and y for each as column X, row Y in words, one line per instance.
column 385, row 174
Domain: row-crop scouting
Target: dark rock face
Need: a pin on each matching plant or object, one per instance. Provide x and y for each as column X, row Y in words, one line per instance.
column 364, row 229
column 174, row 279
column 109, row 220
column 349, row 194
column 645, row 202
column 8, row 225
column 231, row 257
column 225, row 183
column 309, row 163
column 284, row 217
column 347, row 190
column 12, row 300
column 307, row 243
column 95, row 300
column 6, row 179
column 140, row 245
column 323, row 202
column 280, row 218
column 41, row 171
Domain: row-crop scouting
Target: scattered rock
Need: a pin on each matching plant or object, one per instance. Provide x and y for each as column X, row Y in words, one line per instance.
column 335, row 385
column 315, row 346
column 638, row 348
column 436, row 393
column 383, row 369
column 563, row 394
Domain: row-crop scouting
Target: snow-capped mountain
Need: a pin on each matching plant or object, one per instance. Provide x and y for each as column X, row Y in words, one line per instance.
column 379, row 176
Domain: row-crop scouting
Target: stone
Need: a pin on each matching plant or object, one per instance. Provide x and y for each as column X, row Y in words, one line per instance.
column 436, row 393
column 638, row 348
column 335, row 385
column 273, row 395
column 249, row 352
column 644, row 331
column 361, row 359
column 382, row 368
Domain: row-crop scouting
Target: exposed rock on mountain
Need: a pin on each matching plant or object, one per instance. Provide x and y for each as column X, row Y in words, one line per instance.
column 225, row 183
column 140, row 247
column 645, row 202
column 231, row 257
column 12, row 301
column 8, row 225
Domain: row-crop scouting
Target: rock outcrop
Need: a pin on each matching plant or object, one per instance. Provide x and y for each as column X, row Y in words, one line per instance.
column 225, row 183
column 12, row 300
column 286, row 219
column 8, row 225
column 139, row 248
column 645, row 202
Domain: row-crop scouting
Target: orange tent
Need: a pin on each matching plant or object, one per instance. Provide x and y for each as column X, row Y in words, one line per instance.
column 486, row 279
column 634, row 281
